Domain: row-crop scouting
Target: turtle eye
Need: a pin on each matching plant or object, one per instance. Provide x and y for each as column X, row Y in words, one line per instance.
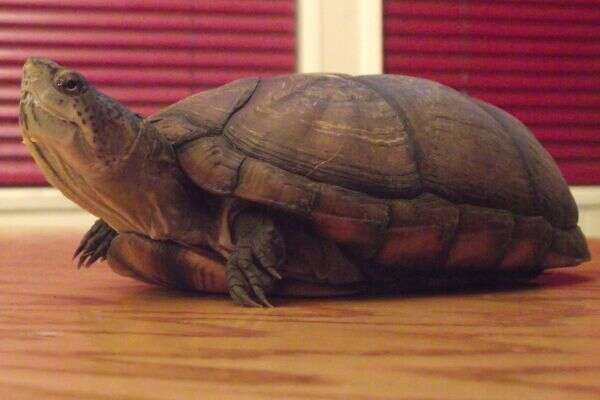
column 71, row 84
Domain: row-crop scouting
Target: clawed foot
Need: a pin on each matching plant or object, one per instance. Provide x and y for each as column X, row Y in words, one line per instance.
column 252, row 268
column 94, row 244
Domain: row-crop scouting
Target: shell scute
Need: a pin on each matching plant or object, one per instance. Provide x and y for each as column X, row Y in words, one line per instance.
column 551, row 195
column 351, row 218
column 328, row 128
column 203, row 114
column 420, row 232
column 211, row 164
column 481, row 239
column 531, row 238
column 266, row 184
column 449, row 126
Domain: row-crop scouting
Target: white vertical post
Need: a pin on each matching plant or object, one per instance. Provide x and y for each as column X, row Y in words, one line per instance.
column 370, row 24
column 340, row 36
column 309, row 53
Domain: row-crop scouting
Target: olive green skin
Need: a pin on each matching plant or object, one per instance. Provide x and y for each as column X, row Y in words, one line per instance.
column 370, row 178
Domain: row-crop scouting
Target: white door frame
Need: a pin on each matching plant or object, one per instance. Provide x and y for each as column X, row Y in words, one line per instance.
column 344, row 36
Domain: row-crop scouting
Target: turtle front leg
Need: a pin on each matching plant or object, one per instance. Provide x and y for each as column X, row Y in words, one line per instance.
column 95, row 244
column 252, row 267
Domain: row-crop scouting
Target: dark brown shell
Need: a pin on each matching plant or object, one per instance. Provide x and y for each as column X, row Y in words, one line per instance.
column 381, row 163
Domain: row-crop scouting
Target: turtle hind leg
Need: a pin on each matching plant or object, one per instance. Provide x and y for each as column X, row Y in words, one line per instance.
column 95, row 244
column 252, row 267
column 167, row 264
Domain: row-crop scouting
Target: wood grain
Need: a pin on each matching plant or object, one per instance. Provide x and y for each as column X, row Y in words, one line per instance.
column 91, row 334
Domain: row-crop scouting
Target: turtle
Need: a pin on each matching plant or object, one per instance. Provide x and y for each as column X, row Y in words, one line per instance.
column 302, row 184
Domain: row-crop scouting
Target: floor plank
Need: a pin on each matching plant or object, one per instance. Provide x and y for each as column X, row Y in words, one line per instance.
column 91, row 334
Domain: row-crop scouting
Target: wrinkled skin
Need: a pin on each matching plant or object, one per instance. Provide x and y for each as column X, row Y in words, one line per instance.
column 113, row 164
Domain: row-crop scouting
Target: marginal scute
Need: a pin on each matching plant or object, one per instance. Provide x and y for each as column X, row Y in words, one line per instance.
column 531, row 238
column 263, row 183
column 211, row 164
column 481, row 239
column 569, row 247
column 351, row 218
column 205, row 113
column 315, row 259
column 419, row 233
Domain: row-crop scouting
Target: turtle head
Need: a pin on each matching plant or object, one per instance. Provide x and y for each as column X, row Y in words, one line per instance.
column 60, row 110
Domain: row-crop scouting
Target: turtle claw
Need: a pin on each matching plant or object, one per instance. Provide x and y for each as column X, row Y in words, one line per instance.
column 81, row 261
column 95, row 244
column 240, row 296
column 260, row 294
column 273, row 272
column 89, row 234
column 246, row 281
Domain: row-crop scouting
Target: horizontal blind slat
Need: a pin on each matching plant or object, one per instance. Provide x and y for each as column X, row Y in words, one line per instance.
column 490, row 63
column 267, row 7
column 517, row 82
column 21, row 173
column 53, row 20
column 470, row 45
column 163, row 58
column 13, row 150
column 542, row 100
column 428, row 26
column 574, row 151
column 568, row 134
column 9, row 131
column 154, row 77
column 580, row 172
column 493, row 10
column 147, row 40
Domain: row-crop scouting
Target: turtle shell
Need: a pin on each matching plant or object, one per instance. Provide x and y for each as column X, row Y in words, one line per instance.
column 383, row 163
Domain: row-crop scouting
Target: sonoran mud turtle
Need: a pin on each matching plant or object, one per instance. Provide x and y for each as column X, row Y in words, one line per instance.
column 306, row 184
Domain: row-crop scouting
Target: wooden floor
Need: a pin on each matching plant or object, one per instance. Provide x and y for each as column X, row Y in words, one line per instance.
column 90, row 334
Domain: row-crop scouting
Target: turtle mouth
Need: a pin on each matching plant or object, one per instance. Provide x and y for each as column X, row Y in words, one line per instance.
column 30, row 99
column 24, row 104
column 32, row 117
column 36, row 119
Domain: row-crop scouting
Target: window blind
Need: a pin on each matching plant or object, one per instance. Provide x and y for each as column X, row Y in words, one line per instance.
column 147, row 54
column 539, row 60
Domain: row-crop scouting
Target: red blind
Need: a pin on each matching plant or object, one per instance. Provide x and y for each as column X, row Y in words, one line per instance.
column 537, row 59
column 146, row 53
